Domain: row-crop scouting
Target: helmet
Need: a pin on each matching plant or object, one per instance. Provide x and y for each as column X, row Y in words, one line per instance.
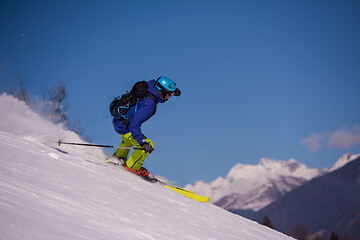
column 164, row 82
column 165, row 86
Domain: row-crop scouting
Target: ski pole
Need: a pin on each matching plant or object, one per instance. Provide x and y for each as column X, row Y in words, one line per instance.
column 95, row 145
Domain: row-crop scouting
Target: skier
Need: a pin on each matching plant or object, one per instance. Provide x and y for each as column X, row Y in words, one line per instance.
column 159, row 92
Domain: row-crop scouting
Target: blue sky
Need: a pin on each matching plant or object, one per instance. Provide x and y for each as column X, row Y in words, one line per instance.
column 275, row 79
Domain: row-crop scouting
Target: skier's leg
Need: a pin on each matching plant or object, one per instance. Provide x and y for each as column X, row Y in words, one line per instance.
column 137, row 158
column 121, row 152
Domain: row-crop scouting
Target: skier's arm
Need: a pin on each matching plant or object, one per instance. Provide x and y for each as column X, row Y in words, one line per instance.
column 141, row 115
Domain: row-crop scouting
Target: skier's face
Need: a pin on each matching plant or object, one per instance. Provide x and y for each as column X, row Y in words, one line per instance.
column 167, row 96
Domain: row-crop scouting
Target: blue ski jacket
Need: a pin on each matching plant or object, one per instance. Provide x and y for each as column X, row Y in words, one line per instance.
column 140, row 113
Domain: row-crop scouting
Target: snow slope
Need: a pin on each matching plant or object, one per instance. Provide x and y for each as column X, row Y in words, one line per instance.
column 68, row 193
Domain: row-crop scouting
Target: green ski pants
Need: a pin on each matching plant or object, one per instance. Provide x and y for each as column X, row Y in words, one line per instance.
column 137, row 158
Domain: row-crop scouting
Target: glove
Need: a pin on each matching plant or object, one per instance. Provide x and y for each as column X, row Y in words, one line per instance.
column 147, row 147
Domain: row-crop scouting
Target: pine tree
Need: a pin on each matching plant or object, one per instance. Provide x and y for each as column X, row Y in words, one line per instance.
column 266, row 222
column 299, row 232
column 56, row 106
column 318, row 237
column 22, row 94
column 334, row 236
column 344, row 237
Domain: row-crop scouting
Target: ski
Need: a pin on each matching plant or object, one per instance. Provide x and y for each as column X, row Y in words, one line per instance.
column 187, row 193
column 184, row 192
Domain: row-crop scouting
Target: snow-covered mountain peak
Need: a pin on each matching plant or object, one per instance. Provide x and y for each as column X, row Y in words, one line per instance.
column 268, row 168
column 254, row 186
column 268, row 161
column 343, row 160
column 274, row 165
column 239, row 171
column 269, row 175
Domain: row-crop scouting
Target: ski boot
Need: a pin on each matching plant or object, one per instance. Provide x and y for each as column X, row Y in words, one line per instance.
column 144, row 173
column 117, row 160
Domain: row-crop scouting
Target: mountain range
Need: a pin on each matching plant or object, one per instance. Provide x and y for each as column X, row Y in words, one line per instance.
column 253, row 187
column 326, row 204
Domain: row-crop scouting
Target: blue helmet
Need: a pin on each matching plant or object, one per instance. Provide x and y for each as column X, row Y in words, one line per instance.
column 165, row 83
column 165, row 86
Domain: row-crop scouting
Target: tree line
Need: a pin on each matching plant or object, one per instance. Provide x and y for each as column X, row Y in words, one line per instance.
column 299, row 232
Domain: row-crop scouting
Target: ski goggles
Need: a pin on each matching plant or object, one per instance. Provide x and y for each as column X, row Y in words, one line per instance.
column 177, row 92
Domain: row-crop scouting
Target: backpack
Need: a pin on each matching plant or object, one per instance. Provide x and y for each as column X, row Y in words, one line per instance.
column 121, row 105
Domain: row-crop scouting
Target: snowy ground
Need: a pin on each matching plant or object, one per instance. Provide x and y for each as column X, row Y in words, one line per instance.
column 69, row 193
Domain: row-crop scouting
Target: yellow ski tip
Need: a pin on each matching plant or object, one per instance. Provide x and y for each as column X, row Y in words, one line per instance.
column 189, row 194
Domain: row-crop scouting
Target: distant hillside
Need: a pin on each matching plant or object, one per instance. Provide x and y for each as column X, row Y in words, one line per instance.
column 327, row 203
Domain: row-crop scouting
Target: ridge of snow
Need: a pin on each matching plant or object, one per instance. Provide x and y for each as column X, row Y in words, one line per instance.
column 343, row 160
column 69, row 193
